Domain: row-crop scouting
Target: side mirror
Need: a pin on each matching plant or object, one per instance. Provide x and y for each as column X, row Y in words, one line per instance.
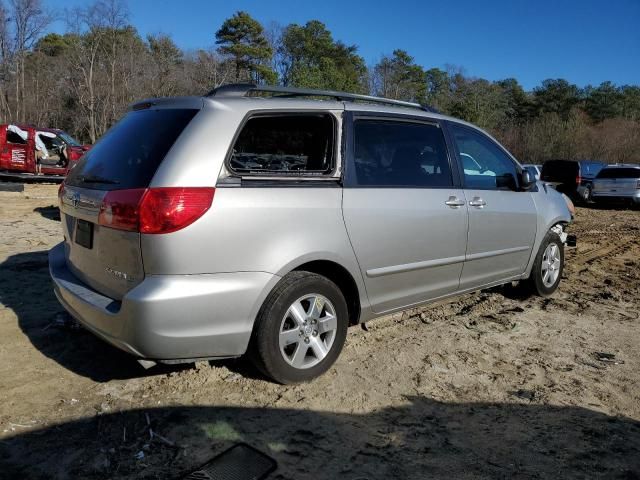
column 528, row 180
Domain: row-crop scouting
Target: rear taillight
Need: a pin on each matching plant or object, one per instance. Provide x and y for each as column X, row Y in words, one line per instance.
column 120, row 209
column 154, row 210
column 578, row 180
column 165, row 210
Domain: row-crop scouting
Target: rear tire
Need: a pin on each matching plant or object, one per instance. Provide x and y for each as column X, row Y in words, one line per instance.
column 547, row 267
column 300, row 329
column 587, row 195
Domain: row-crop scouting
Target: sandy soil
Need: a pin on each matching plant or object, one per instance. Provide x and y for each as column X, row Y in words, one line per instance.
column 491, row 385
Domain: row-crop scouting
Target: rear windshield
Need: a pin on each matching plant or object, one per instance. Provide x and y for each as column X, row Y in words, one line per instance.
column 129, row 154
column 563, row 171
column 619, row 173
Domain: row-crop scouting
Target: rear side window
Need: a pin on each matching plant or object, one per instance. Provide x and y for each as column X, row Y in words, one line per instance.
column 619, row 173
column 129, row 154
column 287, row 144
column 399, row 154
column 590, row 169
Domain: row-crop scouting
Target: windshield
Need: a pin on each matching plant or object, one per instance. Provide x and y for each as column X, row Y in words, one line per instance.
column 69, row 140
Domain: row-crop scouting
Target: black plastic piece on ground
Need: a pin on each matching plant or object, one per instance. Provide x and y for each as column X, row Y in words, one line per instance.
column 30, row 177
column 571, row 240
column 11, row 187
column 240, row 462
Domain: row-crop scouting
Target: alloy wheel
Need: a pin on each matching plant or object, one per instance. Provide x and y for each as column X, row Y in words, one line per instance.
column 550, row 265
column 307, row 331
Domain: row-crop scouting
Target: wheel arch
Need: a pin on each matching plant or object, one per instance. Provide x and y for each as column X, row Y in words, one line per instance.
column 540, row 235
column 343, row 279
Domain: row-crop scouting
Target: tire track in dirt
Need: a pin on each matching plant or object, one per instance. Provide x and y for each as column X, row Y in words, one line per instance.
column 439, row 384
column 618, row 248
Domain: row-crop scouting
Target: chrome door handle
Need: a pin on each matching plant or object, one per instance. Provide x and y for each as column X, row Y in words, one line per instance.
column 454, row 202
column 477, row 202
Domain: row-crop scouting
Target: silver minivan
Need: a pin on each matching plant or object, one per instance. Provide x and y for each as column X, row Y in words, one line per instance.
column 267, row 220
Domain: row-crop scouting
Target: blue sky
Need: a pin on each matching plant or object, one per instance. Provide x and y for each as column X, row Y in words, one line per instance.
column 584, row 41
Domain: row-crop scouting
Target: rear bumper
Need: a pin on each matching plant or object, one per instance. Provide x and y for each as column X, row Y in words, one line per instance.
column 169, row 317
column 635, row 197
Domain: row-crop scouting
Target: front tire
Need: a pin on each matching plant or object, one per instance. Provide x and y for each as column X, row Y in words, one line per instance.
column 300, row 329
column 548, row 266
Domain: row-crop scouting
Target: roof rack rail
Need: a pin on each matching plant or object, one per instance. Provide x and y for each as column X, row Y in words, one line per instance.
column 243, row 89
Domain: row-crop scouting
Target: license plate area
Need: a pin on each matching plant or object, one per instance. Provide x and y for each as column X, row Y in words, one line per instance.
column 84, row 233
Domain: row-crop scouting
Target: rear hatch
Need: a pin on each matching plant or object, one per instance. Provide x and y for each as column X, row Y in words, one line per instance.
column 621, row 181
column 560, row 172
column 124, row 160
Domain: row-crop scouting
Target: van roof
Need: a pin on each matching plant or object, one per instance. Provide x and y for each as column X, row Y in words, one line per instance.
column 269, row 97
column 273, row 97
column 247, row 97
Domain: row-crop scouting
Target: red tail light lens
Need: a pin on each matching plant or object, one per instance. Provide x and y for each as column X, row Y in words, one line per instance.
column 166, row 210
column 578, row 180
column 154, row 210
column 120, row 209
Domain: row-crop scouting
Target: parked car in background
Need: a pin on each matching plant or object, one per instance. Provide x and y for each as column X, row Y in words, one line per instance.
column 534, row 170
column 572, row 177
column 298, row 218
column 618, row 183
column 27, row 151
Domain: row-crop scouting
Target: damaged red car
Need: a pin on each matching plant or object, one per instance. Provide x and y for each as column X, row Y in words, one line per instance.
column 27, row 151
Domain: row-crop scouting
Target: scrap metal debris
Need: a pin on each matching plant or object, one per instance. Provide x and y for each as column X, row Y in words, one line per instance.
column 607, row 358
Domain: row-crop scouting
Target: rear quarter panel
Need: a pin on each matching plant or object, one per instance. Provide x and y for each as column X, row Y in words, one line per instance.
column 248, row 228
column 254, row 229
column 273, row 230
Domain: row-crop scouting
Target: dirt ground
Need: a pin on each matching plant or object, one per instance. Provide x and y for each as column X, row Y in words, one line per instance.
column 490, row 385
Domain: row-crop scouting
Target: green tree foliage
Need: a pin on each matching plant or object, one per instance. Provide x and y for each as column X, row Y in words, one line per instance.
column 242, row 38
column 517, row 104
column 52, row 44
column 84, row 79
column 163, row 49
column 438, row 89
column 398, row 77
column 556, row 96
column 311, row 58
column 165, row 57
column 630, row 102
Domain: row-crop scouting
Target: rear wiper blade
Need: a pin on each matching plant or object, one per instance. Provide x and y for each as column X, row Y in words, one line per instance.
column 96, row 179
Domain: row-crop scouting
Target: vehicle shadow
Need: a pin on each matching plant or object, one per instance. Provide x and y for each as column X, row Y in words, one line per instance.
column 611, row 206
column 422, row 438
column 513, row 291
column 51, row 212
column 25, row 288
